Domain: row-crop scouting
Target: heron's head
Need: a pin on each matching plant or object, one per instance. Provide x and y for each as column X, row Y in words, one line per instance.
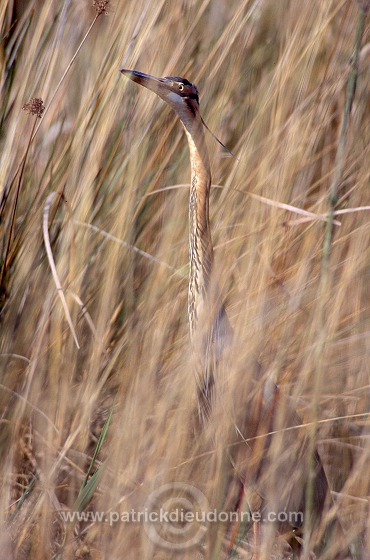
column 178, row 92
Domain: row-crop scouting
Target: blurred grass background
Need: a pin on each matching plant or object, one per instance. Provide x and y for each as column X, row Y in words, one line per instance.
column 272, row 77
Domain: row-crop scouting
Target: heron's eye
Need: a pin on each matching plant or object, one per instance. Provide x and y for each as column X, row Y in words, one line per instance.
column 181, row 87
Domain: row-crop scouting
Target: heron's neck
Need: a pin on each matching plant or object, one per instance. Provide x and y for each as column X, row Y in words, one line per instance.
column 200, row 241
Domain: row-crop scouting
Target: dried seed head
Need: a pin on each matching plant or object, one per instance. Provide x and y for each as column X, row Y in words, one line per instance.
column 34, row 107
column 101, row 6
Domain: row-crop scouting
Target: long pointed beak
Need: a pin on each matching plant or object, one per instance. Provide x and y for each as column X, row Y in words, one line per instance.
column 150, row 82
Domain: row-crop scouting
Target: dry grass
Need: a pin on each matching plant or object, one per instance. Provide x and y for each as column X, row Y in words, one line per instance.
column 272, row 76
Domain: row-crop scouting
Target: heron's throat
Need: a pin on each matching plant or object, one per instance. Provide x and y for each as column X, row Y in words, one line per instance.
column 200, row 241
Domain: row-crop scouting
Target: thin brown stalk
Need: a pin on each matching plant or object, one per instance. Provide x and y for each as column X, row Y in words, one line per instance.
column 326, row 253
column 14, row 210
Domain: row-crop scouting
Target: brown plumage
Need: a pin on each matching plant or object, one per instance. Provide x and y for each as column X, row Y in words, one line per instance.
column 208, row 323
column 210, row 332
